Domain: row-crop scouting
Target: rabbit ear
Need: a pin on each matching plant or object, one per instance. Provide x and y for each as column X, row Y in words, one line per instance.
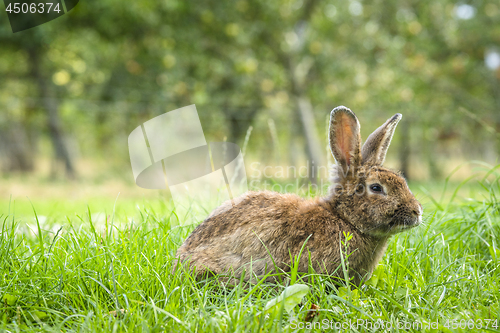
column 345, row 138
column 376, row 145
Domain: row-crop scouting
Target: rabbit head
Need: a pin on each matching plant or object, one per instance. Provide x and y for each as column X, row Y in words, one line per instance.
column 376, row 200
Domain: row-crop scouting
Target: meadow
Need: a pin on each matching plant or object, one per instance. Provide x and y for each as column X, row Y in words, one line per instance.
column 105, row 265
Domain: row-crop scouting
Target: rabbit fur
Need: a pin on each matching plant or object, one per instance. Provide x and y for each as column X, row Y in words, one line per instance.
column 264, row 230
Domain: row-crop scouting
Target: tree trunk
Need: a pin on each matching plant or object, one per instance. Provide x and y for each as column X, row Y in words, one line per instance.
column 305, row 111
column 404, row 148
column 16, row 146
column 309, row 130
column 297, row 68
column 51, row 107
column 240, row 119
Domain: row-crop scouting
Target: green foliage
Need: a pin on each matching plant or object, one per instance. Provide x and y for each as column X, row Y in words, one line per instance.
column 288, row 299
column 113, row 66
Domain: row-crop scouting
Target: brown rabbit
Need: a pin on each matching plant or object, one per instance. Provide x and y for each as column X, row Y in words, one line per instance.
column 265, row 230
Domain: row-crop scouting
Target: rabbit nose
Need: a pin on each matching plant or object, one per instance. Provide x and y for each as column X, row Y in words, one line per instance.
column 417, row 210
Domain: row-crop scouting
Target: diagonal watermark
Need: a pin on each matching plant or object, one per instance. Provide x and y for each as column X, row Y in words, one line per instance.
column 26, row 14
column 170, row 152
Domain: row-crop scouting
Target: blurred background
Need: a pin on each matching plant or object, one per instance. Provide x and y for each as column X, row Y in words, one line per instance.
column 263, row 74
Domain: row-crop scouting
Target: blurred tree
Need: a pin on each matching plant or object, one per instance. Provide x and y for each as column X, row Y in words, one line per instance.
column 43, row 84
column 32, row 44
column 244, row 62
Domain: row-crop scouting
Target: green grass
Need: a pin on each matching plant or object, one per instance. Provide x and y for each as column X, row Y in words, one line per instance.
column 115, row 276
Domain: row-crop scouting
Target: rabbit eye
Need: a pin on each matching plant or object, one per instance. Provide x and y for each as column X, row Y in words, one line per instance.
column 377, row 188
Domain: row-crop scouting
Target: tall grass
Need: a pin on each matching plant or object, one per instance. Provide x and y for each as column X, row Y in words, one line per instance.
column 117, row 277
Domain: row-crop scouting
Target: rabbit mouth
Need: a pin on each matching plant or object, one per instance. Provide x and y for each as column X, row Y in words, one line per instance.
column 395, row 226
column 400, row 225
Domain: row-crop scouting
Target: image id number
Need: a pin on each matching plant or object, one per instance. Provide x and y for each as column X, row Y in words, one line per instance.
column 33, row 8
